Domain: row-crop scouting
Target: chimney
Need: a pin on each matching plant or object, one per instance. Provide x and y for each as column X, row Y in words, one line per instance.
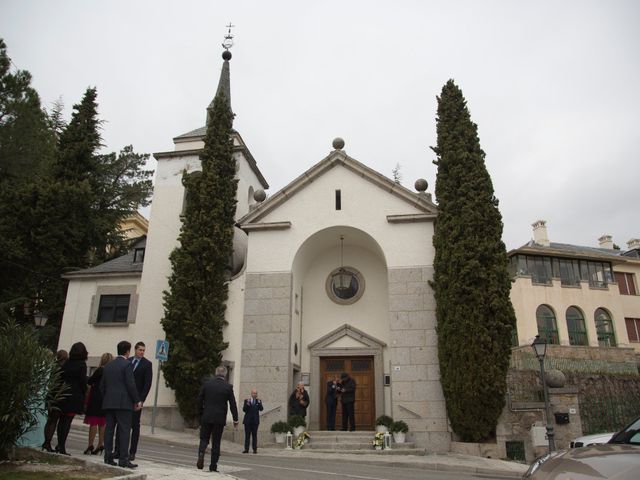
column 606, row 241
column 633, row 244
column 540, row 233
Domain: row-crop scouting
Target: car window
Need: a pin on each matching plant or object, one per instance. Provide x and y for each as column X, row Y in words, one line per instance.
column 630, row 435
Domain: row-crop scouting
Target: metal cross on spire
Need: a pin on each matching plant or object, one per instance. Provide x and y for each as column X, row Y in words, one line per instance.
column 228, row 38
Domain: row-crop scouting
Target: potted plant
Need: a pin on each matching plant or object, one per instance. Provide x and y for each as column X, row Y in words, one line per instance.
column 383, row 423
column 399, row 430
column 280, row 429
column 298, row 424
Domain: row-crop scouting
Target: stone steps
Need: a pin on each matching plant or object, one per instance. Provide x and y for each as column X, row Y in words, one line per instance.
column 354, row 442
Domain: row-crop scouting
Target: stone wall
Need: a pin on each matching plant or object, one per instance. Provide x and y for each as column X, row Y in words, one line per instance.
column 416, row 393
column 266, row 342
column 578, row 359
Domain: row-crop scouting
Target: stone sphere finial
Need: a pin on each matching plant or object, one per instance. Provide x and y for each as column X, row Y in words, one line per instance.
column 338, row 143
column 555, row 379
column 259, row 196
column 421, row 185
column 226, row 55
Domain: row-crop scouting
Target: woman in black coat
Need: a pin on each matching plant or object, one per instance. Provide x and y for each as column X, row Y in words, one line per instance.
column 53, row 412
column 94, row 416
column 74, row 377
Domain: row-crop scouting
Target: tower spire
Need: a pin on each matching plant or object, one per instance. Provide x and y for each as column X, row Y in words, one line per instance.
column 224, row 84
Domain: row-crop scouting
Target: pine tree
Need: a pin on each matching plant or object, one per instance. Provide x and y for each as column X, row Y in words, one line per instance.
column 26, row 142
column 472, row 285
column 123, row 186
column 195, row 303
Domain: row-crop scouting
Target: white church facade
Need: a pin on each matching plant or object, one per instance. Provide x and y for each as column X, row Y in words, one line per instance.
column 330, row 274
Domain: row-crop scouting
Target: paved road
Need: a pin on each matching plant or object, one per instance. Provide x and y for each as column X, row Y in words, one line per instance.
column 263, row 467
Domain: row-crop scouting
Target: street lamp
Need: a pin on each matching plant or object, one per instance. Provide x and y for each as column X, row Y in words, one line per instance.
column 40, row 319
column 539, row 346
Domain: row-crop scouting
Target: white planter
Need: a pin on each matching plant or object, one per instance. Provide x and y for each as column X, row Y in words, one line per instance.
column 398, row 437
column 378, row 447
column 381, row 429
column 280, row 437
column 297, row 431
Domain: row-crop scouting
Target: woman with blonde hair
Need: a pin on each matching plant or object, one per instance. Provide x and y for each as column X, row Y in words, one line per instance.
column 95, row 416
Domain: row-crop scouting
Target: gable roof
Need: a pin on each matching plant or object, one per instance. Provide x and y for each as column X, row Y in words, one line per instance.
column 116, row 267
column 421, row 201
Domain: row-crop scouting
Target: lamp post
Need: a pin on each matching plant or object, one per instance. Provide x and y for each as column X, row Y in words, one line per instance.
column 40, row 318
column 539, row 346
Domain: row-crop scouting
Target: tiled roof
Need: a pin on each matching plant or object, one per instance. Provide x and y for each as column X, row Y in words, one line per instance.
column 568, row 250
column 122, row 264
column 198, row 132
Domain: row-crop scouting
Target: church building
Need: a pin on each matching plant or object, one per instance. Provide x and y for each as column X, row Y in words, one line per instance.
column 330, row 274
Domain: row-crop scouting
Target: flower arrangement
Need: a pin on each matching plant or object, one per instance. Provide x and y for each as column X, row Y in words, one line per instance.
column 301, row 440
column 378, row 440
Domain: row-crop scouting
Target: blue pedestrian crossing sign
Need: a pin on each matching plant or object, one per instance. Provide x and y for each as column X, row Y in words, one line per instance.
column 162, row 350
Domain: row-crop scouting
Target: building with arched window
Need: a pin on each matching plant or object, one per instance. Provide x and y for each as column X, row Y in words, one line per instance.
column 574, row 295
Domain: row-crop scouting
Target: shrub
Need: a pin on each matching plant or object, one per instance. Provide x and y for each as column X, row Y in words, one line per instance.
column 297, row 421
column 280, row 427
column 385, row 420
column 399, row 426
column 27, row 375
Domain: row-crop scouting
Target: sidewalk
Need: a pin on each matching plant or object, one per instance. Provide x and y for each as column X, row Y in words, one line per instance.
column 437, row 462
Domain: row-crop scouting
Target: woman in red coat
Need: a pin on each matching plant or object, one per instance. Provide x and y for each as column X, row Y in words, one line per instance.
column 94, row 416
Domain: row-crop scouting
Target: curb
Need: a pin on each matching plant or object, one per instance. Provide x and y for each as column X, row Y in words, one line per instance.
column 381, row 459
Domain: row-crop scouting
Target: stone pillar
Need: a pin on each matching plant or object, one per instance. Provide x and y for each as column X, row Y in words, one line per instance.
column 416, row 392
column 266, row 343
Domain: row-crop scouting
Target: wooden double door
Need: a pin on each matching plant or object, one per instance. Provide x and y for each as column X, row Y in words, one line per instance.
column 361, row 369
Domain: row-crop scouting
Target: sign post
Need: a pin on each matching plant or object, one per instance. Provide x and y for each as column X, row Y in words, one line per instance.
column 162, row 355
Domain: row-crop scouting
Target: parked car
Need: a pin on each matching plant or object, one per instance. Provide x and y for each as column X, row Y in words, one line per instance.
column 619, row 459
column 595, row 439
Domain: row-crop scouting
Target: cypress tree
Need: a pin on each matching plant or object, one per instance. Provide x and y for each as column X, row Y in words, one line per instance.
column 475, row 317
column 195, row 302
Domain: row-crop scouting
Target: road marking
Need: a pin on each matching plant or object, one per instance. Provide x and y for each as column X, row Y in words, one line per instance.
column 305, row 470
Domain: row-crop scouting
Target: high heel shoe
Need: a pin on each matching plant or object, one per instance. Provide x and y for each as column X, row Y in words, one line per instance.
column 98, row 451
column 62, row 451
column 47, row 446
column 89, row 450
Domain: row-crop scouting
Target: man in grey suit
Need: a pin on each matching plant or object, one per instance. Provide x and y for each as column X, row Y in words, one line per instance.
column 214, row 396
column 120, row 399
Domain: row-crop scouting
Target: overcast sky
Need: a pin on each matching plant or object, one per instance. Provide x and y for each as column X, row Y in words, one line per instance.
column 554, row 87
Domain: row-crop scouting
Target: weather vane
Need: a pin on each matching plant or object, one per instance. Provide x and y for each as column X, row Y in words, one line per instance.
column 228, row 38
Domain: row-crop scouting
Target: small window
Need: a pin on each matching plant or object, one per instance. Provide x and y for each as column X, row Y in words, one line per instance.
column 576, row 327
column 138, row 255
column 338, row 200
column 604, row 328
column 633, row 329
column 547, row 327
column 113, row 309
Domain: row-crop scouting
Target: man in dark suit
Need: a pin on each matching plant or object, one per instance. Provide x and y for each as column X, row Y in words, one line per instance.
column 331, row 401
column 348, row 391
column 142, row 374
column 120, row 399
column 213, row 398
column 252, row 407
